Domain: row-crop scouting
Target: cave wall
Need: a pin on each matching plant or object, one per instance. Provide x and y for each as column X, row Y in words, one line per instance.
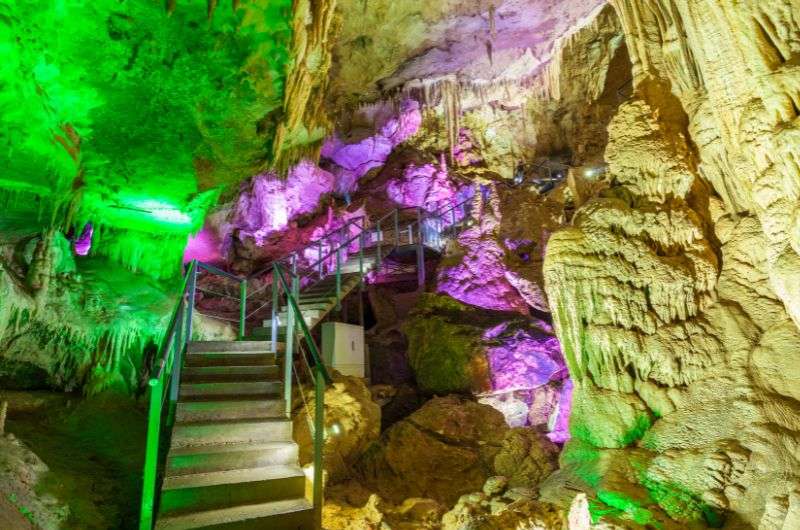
column 675, row 293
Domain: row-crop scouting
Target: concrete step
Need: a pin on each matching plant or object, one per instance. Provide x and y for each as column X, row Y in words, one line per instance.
column 194, row 460
column 330, row 279
column 314, row 299
column 266, row 333
column 322, row 305
column 329, row 284
column 223, row 489
column 241, row 409
column 231, row 432
column 193, row 391
column 225, row 346
column 291, row 514
column 352, row 266
column 231, row 373
column 231, row 358
column 308, row 314
column 310, row 322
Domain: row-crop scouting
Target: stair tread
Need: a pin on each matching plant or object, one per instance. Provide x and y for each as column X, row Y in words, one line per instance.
column 232, row 476
column 219, row 516
column 248, row 371
column 228, row 401
column 231, row 347
column 240, row 422
column 216, row 384
column 229, row 448
column 233, row 398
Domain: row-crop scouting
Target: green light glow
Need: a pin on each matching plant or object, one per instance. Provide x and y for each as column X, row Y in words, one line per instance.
column 118, row 113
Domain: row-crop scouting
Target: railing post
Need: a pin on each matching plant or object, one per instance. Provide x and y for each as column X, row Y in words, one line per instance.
column 380, row 242
column 420, row 252
column 151, row 454
column 361, row 255
column 396, row 228
column 242, row 307
column 338, row 279
column 275, row 302
column 321, row 261
column 319, row 441
column 288, row 359
column 190, row 301
column 178, row 344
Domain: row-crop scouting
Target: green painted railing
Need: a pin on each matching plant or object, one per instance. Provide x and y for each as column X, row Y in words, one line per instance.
column 162, row 392
column 320, row 377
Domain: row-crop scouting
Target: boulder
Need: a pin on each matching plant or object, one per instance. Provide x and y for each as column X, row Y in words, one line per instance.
column 526, row 458
column 498, row 508
column 444, row 347
column 352, row 423
column 442, row 451
column 450, row 447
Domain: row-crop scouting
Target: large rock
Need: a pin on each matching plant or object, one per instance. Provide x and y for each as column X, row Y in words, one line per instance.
column 442, row 451
column 350, row 506
column 454, row 347
column 526, row 458
column 444, row 347
column 450, row 447
column 352, row 423
column 500, row 508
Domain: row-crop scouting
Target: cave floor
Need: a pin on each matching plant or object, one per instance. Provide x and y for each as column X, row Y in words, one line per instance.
column 93, row 451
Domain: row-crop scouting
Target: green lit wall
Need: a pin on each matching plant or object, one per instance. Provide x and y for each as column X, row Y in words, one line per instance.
column 124, row 115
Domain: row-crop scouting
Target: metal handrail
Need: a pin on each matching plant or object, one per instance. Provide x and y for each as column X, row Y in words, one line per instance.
column 292, row 302
column 321, row 379
column 164, row 385
column 337, row 249
column 286, row 259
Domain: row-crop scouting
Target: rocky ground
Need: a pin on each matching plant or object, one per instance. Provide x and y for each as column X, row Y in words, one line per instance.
column 68, row 462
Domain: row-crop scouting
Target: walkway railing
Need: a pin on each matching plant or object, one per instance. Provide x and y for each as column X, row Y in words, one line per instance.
column 163, row 387
column 286, row 277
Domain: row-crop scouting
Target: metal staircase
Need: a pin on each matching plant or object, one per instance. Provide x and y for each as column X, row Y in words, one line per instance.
column 232, row 462
column 220, row 452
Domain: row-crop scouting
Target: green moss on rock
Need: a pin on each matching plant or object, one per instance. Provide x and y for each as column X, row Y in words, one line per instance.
column 444, row 346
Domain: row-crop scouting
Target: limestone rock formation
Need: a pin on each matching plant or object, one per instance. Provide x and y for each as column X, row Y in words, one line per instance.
column 441, row 451
column 526, row 458
column 352, row 424
column 450, row 447
column 667, row 290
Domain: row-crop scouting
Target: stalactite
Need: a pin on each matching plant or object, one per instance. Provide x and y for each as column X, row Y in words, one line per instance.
column 451, row 96
column 305, row 122
column 212, row 6
column 492, row 22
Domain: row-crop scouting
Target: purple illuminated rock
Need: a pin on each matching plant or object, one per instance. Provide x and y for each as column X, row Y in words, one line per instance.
column 480, row 276
column 269, row 203
column 83, row 244
column 426, row 186
column 524, row 359
column 205, row 246
column 353, row 161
